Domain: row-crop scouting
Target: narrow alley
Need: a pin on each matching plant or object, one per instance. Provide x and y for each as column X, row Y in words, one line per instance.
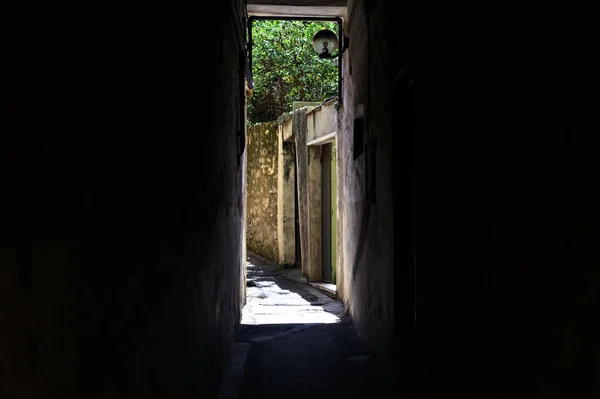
column 443, row 177
column 297, row 342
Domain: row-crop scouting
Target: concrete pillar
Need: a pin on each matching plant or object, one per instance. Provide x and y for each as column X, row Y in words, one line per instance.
column 299, row 132
column 286, row 210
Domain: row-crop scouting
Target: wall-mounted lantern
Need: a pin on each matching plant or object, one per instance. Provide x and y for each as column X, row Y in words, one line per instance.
column 325, row 43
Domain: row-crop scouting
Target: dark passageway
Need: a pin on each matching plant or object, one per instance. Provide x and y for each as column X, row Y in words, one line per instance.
column 468, row 219
column 122, row 177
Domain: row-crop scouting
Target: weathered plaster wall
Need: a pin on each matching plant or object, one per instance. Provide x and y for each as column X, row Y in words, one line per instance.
column 321, row 120
column 261, row 189
column 286, row 123
column 245, row 207
column 365, row 227
column 299, row 133
column 286, row 209
column 506, row 234
column 121, row 205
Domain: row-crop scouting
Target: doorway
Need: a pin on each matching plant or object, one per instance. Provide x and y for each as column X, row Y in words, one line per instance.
column 328, row 212
column 298, row 252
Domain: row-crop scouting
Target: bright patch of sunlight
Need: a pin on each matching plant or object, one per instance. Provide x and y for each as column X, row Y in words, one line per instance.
column 289, row 315
column 267, row 303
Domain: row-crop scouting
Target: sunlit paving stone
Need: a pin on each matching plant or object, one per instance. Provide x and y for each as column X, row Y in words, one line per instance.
column 271, row 298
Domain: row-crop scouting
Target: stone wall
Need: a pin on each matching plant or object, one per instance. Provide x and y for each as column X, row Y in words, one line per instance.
column 261, row 189
column 121, row 205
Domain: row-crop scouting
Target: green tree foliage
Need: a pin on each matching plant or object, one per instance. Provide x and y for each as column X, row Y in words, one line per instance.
column 286, row 68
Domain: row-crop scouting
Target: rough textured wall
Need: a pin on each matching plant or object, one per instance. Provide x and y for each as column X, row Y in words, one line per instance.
column 365, row 203
column 244, row 208
column 121, row 205
column 261, row 189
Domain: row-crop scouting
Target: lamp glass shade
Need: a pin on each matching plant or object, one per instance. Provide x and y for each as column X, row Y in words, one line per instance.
column 325, row 43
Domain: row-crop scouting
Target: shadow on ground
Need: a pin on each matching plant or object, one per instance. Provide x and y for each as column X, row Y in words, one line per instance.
column 319, row 357
column 321, row 361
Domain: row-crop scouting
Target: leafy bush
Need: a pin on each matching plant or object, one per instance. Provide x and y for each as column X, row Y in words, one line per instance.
column 285, row 67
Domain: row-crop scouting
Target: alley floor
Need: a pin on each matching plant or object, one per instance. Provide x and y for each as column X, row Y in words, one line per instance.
column 296, row 342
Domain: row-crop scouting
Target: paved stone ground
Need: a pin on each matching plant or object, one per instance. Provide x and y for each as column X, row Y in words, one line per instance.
column 296, row 342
